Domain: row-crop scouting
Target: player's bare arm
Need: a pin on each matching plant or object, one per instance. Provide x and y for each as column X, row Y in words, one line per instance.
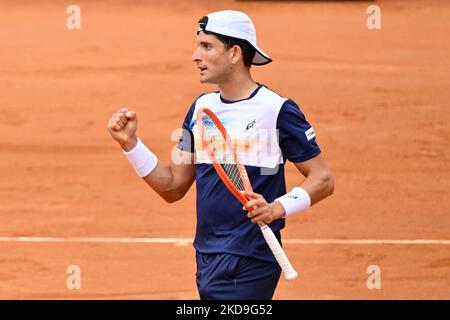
column 171, row 181
column 318, row 183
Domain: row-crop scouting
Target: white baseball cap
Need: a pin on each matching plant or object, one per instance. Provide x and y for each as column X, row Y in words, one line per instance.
column 234, row 24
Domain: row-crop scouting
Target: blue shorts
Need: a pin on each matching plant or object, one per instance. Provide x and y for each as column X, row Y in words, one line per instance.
column 230, row 277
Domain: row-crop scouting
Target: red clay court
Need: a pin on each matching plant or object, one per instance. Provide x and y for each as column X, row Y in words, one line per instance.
column 378, row 100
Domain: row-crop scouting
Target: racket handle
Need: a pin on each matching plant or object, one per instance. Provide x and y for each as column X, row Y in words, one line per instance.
column 278, row 252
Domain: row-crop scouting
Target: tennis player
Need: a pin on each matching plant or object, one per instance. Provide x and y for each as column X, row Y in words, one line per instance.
column 233, row 259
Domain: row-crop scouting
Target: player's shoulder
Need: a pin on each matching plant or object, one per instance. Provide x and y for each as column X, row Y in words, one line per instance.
column 286, row 102
column 275, row 100
column 202, row 98
column 207, row 96
column 269, row 92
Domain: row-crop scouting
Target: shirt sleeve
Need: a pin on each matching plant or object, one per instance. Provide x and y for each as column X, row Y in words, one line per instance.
column 297, row 139
column 186, row 141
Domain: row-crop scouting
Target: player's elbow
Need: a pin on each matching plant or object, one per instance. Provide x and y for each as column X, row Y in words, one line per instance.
column 327, row 183
column 172, row 196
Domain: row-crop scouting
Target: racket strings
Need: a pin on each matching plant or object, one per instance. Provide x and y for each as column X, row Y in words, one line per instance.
column 223, row 152
column 235, row 176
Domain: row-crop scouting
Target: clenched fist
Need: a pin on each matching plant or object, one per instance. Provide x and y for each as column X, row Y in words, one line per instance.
column 122, row 127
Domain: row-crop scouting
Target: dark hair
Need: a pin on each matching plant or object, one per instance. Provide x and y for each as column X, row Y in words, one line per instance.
column 248, row 52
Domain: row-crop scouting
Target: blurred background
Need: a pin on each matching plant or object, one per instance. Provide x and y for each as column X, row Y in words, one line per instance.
column 377, row 98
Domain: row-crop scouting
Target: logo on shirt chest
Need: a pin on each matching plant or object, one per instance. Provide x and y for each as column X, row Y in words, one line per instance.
column 251, row 125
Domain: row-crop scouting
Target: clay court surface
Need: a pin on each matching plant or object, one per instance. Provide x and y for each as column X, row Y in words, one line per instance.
column 378, row 100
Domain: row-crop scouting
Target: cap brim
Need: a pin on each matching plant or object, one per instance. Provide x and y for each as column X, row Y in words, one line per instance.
column 260, row 58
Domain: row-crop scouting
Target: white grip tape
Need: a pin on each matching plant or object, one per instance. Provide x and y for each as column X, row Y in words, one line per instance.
column 278, row 252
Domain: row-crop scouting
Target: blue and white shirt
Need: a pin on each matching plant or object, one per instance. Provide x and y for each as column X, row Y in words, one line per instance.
column 266, row 130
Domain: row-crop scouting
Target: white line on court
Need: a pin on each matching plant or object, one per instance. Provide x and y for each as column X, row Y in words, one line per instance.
column 187, row 241
column 339, row 241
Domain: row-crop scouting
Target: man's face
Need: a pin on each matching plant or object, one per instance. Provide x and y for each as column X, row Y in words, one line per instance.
column 213, row 61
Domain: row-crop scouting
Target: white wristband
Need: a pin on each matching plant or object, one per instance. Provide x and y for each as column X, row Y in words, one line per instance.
column 295, row 201
column 142, row 159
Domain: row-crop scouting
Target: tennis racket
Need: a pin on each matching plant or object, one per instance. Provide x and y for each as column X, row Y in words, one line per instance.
column 219, row 147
